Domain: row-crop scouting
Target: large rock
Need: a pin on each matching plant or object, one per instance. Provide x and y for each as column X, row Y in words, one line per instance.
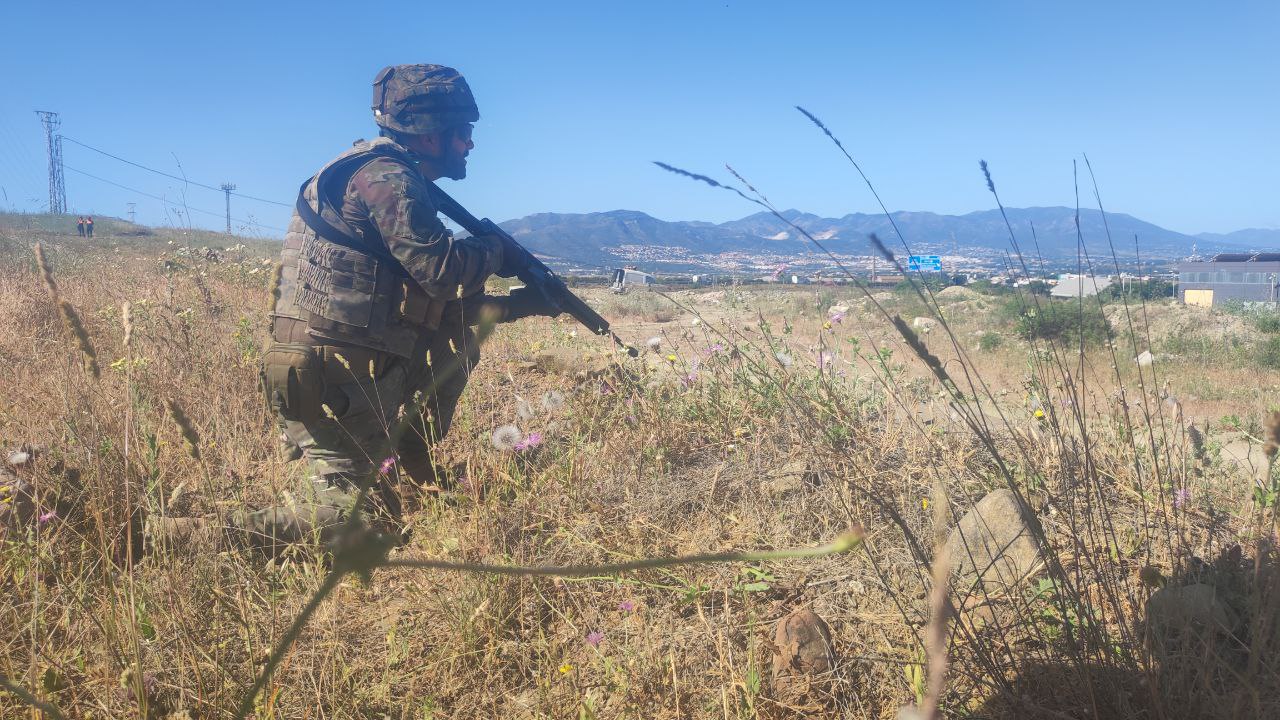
column 1186, row 617
column 992, row 545
column 570, row 362
column 802, row 651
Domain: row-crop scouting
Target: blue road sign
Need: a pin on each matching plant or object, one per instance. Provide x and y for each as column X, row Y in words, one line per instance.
column 924, row 263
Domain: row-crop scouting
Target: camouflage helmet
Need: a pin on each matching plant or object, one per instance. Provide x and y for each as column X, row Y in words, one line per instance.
column 419, row 99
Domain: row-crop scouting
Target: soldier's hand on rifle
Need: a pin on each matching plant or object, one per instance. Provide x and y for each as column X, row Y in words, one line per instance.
column 526, row 302
column 513, row 257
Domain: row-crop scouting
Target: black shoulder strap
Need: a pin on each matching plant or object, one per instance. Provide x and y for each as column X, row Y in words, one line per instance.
column 325, row 229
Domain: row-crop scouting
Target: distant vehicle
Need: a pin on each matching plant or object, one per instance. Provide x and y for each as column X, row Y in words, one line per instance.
column 624, row 278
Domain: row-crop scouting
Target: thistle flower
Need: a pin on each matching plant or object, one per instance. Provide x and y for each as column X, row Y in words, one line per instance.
column 506, row 438
column 627, row 605
column 552, row 400
column 837, row 317
column 387, row 464
column 654, row 343
column 529, row 442
column 47, row 518
column 594, row 638
column 1181, row 497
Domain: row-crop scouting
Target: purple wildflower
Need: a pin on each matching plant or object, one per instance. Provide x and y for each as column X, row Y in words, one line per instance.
column 387, row 464
column 1181, row 497
column 47, row 518
column 530, row 441
column 714, row 349
column 837, row 317
column 627, row 605
column 594, row 637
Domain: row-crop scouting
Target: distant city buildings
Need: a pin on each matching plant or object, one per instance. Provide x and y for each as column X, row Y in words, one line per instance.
column 1244, row 277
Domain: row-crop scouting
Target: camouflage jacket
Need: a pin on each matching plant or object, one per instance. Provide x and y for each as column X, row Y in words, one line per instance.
column 401, row 269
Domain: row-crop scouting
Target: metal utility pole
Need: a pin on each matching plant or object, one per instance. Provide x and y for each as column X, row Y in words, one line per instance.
column 131, row 213
column 227, row 188
column 57, row 188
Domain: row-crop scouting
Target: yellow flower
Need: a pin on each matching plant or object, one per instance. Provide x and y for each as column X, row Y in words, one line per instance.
column 1039, row 413
column 671, row 358
column 924, row 503
column 565, row 669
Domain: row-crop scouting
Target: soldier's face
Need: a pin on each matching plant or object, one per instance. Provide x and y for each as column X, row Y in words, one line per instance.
column 444, row 154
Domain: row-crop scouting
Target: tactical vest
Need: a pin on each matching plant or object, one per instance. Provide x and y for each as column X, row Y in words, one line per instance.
column 345, row 286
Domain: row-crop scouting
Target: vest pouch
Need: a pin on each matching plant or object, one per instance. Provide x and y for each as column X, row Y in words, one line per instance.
column 336, row 283
column 419, row 309
column 293, row 377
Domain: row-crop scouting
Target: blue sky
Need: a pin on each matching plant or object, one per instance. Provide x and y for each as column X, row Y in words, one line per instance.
column 1174, row 102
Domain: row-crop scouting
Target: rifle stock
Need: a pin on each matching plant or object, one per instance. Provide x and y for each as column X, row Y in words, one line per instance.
column 534, row 273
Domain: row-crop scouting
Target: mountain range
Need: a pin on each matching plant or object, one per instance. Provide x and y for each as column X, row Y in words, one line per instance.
column 607, row 239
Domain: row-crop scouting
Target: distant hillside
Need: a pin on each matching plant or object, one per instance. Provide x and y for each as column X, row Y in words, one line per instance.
column 601, row 238
column 1253, row 238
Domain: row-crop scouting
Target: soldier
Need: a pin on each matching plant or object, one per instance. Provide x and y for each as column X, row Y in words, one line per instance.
column 373, row 307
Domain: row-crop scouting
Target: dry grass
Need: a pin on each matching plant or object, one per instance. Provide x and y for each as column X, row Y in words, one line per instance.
column 780, row 432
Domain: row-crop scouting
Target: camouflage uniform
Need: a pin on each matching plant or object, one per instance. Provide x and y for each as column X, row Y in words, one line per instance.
column 352, row 333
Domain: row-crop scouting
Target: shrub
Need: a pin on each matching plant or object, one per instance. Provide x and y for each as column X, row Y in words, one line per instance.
column 1268, row 352
column 989, row 341
column 1059, row 321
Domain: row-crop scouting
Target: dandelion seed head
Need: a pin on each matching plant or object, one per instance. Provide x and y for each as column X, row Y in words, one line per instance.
column 552, row 400
column 654, row 343
column 783, row 359
column 506, row 437
column 524, row 410
column 19, row 457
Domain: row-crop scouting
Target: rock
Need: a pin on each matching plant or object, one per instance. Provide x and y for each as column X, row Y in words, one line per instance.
column 924, row 324
column 791, row 478
column 1187, row 616
column 992, row 544
column 180, row 534
column 17, row 501
column 1145, row 359
column 570, row 363
column 802, row 650
column 1245, row 454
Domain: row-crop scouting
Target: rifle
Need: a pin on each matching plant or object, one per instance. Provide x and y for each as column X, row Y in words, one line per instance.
column 534, row 273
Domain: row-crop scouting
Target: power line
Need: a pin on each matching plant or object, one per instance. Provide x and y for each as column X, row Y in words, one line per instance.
column 170, row 202
column 173, row 177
